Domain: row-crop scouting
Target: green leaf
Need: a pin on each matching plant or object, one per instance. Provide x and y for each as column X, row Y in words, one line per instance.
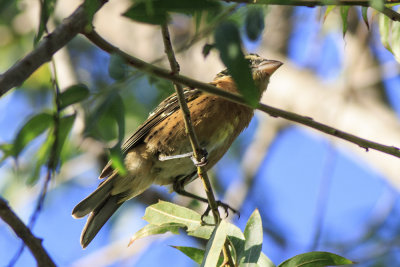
column 328, row 11
column 364, row 11
column 227, row 41
column 253, row 234
column 215, row 245
column 73, row 94
column 166, row 212
column 64, row 128
column 117, row 67
column 152, row 229
column 344, row 12
column 195, row 254
column 254, row 22
column 207, row 49
column 396, row 40
column 264, row 261
column 117, row 160
column 379, row 5
column 156, row 11
column 42, row 155
column 32, row 129
column 46, row 9
column 315, row 259
column 384, row 29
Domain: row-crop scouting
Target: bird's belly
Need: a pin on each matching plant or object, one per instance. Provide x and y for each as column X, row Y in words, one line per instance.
column 216, row 144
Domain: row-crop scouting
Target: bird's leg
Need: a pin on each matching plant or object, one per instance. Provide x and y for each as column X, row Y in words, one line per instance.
column 179, row 189
column 201, row 163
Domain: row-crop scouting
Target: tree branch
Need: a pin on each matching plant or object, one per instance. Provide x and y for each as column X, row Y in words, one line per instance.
column 22, row 231
column 274, row 112
column 45, row 50
column 201, row 171
column 312, row 3
column 393, row 15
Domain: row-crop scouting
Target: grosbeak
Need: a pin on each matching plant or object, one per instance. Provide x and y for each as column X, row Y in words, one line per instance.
column 152, row 152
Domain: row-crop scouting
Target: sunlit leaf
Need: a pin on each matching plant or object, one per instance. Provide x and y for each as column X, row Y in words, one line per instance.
column 328, row 11
column 214, row 246
column 384, row 29
column 195, row 254
column 73, row 94
column 151, row 229
column 396, row 40
column 264, row 261
column 253, row 234
column 117, row 160
column 32, row 129
column 315, row 259
column 377, row 4
column 166, row 212
column 227, row 41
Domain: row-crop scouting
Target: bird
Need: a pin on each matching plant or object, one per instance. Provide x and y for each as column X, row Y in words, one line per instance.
column 158, row 152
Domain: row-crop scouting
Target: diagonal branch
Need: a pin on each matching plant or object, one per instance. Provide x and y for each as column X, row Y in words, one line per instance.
column 53, row 42
column 274, row 112
column 23, row 232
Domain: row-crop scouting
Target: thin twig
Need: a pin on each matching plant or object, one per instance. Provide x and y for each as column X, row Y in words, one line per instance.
column 45, row 50
column 274, row 112
column 22, row 231
column 201, row 171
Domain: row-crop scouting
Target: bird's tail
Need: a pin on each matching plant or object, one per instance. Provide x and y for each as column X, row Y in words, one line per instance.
column 101, row 205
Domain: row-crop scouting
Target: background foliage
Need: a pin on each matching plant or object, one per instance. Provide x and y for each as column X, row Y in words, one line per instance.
column 312, row 192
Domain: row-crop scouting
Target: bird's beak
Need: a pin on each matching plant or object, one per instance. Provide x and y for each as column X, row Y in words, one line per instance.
column 269, row 66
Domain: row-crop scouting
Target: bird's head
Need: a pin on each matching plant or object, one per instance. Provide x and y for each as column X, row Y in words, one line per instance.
column 261, row 69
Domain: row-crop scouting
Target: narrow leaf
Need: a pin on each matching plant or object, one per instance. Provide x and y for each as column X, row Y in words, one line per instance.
column 64, row 128
column 253, row 234
column 152, row 229
column 396, row 40
column 46, row 9
column 315, row 259
column 166, row 212
column 195, row 254
column 42, row 155
column 384, row 29
column 214, row 246
column 364, row 11
column 73, row 94
column 328, row 11
column 32, row 129
column 227, row 41
column 344, row 12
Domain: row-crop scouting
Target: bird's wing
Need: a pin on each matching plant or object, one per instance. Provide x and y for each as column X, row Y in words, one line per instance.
column 160, row 113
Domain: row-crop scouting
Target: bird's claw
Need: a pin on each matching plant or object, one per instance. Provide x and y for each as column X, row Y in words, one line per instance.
column 203, row 161
column 225, row 206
